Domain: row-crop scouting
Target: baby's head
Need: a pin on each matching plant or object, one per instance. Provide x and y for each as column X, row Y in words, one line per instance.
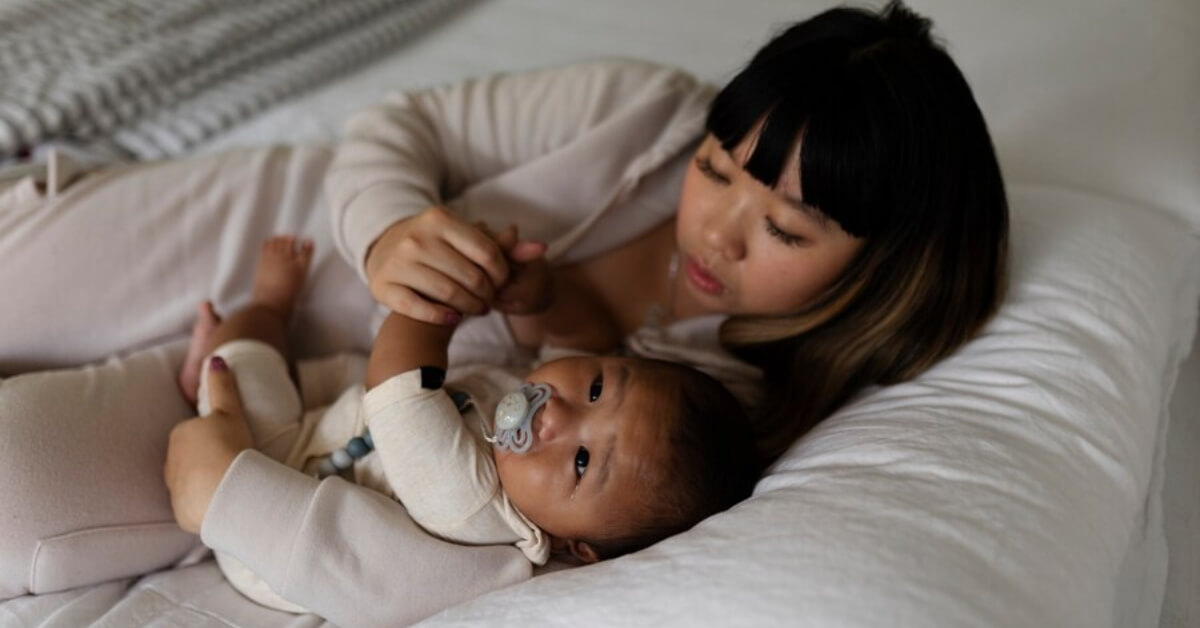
column 627, row 452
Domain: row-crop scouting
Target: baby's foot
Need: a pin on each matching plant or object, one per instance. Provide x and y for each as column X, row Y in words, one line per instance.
column 282, row 267
column 189, row 376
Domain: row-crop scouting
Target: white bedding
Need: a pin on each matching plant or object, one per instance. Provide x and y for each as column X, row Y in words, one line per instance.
column 1001, row 488
column 1013, row 485
column 1181, row 499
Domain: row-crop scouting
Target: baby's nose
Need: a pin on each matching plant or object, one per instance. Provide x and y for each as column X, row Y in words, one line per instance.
column 551, row 421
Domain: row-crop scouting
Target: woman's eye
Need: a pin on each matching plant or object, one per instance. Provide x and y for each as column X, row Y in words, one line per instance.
column 781, row 235
column 581, row 461
column 704, row 165
column 596, row 388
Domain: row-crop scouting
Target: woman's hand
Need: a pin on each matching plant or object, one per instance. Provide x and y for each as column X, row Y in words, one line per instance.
column 435, row 267
column 201, row 450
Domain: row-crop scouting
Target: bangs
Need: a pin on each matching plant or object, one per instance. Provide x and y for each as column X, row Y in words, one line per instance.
column 837, row 108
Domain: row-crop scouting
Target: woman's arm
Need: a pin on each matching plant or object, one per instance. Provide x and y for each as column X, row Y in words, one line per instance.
column 420, row 150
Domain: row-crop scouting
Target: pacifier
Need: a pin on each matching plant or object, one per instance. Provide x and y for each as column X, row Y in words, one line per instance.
column 514, row 417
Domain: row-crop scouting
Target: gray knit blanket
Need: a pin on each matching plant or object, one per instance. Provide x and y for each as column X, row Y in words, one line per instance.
column 155, row 77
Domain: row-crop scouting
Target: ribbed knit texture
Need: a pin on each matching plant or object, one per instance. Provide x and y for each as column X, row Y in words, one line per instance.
column 155, row 77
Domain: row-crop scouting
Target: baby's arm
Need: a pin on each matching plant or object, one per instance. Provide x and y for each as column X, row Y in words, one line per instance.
column 574, row 319
column 426, row 450
column 404, row 344
column 547, row 307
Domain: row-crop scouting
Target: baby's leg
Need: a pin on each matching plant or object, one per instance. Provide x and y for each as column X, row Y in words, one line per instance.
column 253, row 341
column 189, row 376
column 282, row 267
column 278, row 278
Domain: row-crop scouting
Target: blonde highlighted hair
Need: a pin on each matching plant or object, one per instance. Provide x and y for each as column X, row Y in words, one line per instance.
column 893, row 314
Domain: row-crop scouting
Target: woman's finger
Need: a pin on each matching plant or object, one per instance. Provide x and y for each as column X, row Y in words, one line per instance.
column 480, row 249
column 525, row 251
column 506, row 239
column 455, row 267
column 436, row 286
column 223, row 396
column 435, row 266
column 404, row 301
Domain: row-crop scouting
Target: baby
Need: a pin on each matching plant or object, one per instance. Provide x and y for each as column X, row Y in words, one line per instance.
column 593, row 456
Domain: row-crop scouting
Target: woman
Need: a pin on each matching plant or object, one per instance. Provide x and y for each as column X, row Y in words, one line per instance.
column 842, row 223
column 844, row 207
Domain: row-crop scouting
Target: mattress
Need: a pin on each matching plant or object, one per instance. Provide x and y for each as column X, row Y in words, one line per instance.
column 1080, row 125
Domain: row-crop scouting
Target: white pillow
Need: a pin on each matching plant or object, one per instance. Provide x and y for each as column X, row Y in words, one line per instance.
column 1001, row 488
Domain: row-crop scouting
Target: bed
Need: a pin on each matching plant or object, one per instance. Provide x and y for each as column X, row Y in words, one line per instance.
column 1044, row 475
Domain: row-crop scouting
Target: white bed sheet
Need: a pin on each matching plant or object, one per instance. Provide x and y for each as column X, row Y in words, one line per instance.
column 1181, row 499
column 1095, row 95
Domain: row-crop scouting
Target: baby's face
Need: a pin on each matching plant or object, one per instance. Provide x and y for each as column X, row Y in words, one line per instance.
column 596, row 446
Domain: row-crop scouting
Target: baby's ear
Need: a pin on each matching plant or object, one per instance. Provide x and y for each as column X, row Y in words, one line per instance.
column 583, row 551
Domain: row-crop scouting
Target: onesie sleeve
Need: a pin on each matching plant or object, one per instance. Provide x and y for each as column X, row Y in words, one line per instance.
column 422, row 148
column 434, row 462
column 350, row 554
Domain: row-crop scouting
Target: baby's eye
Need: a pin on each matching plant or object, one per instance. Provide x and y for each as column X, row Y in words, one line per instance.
column 581, row 461
column 596, row 388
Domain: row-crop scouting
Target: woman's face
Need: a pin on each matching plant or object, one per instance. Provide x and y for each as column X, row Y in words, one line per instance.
column 746, row 248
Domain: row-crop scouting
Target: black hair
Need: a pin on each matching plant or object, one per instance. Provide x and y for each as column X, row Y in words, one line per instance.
column 894, row 149
column 875, row 103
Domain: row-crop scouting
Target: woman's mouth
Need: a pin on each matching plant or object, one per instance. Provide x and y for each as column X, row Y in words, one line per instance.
column 702, row 279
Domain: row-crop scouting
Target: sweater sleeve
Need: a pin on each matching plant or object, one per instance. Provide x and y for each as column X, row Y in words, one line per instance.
column 422, row 148
column 348, row 553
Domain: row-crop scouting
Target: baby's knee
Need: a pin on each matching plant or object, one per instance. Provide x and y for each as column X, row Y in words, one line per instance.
column 270, row 399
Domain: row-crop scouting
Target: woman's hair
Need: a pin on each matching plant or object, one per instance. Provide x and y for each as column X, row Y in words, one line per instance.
column 708, row 464
column 895, row 150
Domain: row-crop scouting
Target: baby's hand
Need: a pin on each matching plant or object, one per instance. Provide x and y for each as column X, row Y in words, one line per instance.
column 529, row 289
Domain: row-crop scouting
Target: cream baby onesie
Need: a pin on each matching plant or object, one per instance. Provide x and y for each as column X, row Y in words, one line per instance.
column 428, row 454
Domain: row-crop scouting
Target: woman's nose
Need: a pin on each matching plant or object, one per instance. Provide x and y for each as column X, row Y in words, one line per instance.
column 723, row 232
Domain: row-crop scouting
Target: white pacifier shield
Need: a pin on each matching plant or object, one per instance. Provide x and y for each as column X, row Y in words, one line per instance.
column 511, row 411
